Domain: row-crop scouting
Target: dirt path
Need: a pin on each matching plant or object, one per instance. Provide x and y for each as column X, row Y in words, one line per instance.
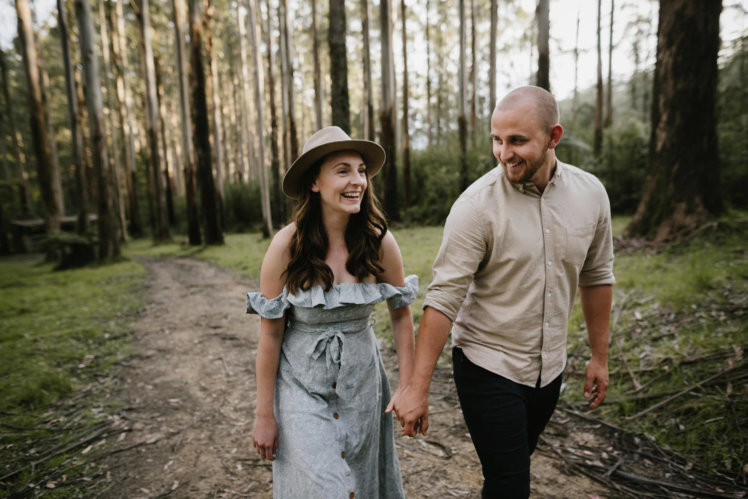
column 188, row 398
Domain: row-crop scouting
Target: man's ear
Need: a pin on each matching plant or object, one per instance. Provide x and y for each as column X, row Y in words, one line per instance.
column 557, row 131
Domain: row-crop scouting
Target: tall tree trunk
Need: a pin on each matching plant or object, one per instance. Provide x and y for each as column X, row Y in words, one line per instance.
column 116, row 176
column 275, row 167
column 336, row 35
column 45, row 174
column 683, row 187
column 406, row 93
column 597, row 147
column 214, row 86
column 75, row 132
column 473, row 75
column 289, row 115
column 259, row 92
column 119, row 56
column 391, row 203
column 18, row 157
column 575, row 98
column 543, row 79
column 201, row 128
column 164, row 143
column 609, row 103
column 461, row 105
column 244, row 96
column 368, row 118
column 492, row 53
column 317, row 71
column 160, row 223
column 108, row 225
column 427, row 28
column 188, row 153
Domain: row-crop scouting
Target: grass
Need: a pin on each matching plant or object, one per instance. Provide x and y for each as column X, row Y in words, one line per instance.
column 61, row 334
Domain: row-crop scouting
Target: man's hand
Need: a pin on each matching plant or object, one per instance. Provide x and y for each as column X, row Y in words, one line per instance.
column 411, row 407
column 596, row 382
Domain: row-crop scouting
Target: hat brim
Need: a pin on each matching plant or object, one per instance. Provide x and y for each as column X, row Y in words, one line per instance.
column 371, row 152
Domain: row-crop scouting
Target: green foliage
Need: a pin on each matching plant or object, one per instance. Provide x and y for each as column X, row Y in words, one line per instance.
column 243, row 206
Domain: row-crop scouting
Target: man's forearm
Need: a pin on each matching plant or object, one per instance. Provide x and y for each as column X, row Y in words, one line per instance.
column 432, row 335
column 596, row 303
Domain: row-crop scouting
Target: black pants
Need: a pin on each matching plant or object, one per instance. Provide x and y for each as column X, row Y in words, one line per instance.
column 505, row 420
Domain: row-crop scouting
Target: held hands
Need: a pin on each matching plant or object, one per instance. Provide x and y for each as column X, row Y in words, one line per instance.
column 411, row 409
column 596, row 382
column 265, row 436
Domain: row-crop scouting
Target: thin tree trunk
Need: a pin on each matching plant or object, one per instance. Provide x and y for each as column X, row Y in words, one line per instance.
column 280, row 207
column 259, row 92
column 116, row 169
column 245, row 100
column 128, row 129
column 18, row 156
column 427, row 28
column 45, row 174
column 473, row 75
column 160, row 97
column 461, row 105
column 289, row 118
column 543, row 79
column 338, row 66
column 75, row 132
column 214, row 86
column 160, row 223
column 492, row 53
column 597, row 148
column 609, row 103
column 238, row 124
column 201, row 128
column 406, row 92
column 317, row 72
column 575, row 98
column 368, row 107
column 391, row 203
column 108, row 225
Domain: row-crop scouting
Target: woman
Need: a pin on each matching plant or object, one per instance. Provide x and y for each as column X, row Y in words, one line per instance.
column 321, row 386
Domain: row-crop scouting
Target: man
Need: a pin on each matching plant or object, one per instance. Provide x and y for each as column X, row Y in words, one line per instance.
column 517, row 244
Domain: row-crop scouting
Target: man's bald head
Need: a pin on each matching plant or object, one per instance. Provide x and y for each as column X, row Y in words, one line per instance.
column 538, row 99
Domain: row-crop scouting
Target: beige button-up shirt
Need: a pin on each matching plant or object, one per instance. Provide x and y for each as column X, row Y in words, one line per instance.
column 509, row 265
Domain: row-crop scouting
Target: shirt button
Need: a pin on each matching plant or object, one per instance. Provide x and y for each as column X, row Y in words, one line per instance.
column 547, row 324
column 335, row 415
column 549, row 263
column 549, row 294
column 547, row 231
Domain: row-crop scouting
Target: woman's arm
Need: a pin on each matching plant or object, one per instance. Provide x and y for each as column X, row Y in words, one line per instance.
column 265, row 431
column 400, row 318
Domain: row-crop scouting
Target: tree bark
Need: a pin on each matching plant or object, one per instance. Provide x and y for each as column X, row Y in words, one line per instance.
column 391, row 203
column 683, row 188
column 291, row 144
column 429, row 111
column 164, row 143
column 275, row 168
column 575, row 97
column 45, row 174
column 214, row 86
column 160, row 223
column 18, row 157
column 317, row 71
column 492, row 53
column 201, row 128
column 406, row 92
column 259, row 92
column 461, row 105
column 119, row 57
column 75, row 132
column 473, row 75
column 336, row 35
column 597, row 147
column 609, row 100
column 368, row 108
column 108, row 225
column 543, row 78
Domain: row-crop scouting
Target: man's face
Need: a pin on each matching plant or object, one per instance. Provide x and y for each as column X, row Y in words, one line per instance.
column 520, row 143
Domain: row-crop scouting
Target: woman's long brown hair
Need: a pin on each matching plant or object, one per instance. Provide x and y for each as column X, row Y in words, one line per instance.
column 309, row 245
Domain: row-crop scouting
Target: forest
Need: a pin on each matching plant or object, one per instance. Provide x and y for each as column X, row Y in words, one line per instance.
column 150, row 131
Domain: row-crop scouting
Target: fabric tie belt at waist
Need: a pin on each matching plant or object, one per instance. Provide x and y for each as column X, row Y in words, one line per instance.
column 330, row 342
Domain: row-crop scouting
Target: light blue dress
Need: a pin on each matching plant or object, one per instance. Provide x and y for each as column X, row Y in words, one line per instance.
column 335, row 441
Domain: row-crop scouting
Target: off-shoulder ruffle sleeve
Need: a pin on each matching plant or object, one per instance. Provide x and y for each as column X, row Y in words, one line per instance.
column 269, row 308
column 401, row 296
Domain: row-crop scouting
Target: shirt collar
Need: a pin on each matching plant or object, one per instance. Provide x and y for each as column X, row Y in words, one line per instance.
column 529, row 187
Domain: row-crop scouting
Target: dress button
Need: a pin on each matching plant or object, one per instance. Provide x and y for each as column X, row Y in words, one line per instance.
column 335, row 415
column 342, row 454
column 351, row 496
column 334, row 386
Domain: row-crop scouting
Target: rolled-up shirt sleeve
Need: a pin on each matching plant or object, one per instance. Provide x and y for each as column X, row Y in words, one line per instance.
column 598, row 265
column 464, row 246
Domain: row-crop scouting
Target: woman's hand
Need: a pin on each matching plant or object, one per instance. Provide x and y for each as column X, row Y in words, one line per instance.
column 265, row 436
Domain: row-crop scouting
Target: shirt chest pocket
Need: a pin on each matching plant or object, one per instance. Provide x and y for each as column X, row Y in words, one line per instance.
column 576, row 244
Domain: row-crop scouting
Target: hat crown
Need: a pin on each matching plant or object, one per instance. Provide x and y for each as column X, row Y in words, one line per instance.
column 325, row 136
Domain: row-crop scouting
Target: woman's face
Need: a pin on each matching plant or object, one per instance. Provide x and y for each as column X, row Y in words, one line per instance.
column 341, row 182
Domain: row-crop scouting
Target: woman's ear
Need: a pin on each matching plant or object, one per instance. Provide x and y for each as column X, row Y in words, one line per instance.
column 315, row 187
